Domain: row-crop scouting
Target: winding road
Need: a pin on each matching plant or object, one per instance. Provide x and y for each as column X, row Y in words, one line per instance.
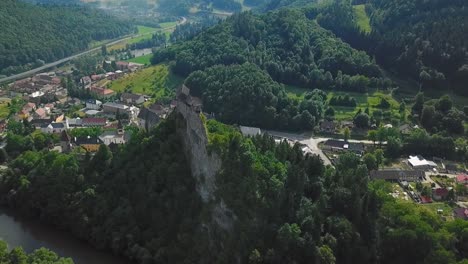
column 55, row 63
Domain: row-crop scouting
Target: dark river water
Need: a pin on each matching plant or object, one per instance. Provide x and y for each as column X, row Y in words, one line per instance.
column 17, row 231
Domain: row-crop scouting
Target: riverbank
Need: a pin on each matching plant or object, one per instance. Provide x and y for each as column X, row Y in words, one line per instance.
column 18, row 231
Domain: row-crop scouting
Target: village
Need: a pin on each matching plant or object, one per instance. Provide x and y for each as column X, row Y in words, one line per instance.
column 437, row 184
column 44, row 102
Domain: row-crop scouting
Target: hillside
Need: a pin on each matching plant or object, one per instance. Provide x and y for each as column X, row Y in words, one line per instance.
column 287, row 45
column 424, row 40
column 34, row 34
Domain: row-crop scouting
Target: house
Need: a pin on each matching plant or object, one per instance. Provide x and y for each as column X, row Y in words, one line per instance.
column 93, row 104
column 250, row 131
column 118, row 136
column 111, row 76
column 65, row 141
column 462, row 179
column 94, row 122
column 461, row 213
column 426, row 199
column 90, row 144
column 327, row 126
column 40, row 113
column 30, row 107
column 102, row 92
column 96, row 77
column 113, row 108
column 418, row 162
column 348, row 124
column 53, row 128
column 397, row 175
column 134, row 99
column 340, row 145
column 85, row 82
column 36, row 97
column 39, row 123
column 405, row 129
column 440, row 194
column 74, row 122
column 148, row 117
column 122, row 65
column 132, row 66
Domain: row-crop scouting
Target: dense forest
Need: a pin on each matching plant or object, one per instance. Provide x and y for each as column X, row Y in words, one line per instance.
column 287, row 45
column 32, row 35
column 253, row 98
column 418, row 40
column 141, row 201
column 423, row 40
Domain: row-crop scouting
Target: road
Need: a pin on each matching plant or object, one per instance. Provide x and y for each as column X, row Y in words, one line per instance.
column 312, row 142
column 55, row 63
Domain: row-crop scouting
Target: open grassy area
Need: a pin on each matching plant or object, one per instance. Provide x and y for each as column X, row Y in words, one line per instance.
column 156, row 81
column 364, row 100
column 145, row 59
column 447, row 211
column 146, row 30
column 295, row 92
column 362, row 20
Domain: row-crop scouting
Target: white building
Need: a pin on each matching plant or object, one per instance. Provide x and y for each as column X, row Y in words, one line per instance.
column 116, row 137
column 419, row 162
column 250, row 131
column 93, row 104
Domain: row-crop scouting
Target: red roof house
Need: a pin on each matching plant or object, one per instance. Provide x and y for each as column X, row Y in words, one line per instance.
column 440, row 193
column 461, row 213
column 462, row 179
column 426, row 199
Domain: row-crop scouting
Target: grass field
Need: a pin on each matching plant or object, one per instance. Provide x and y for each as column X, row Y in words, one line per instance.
column 145, row 59
column 447, row 211
column 363, row 21
column 364, row 100
column 156, row 81
column 146, row 33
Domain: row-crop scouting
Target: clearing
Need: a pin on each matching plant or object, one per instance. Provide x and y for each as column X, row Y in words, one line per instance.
column 145, row 59
column 156, row 81
column 447, row 210
column 362, row 19
column 364, row 100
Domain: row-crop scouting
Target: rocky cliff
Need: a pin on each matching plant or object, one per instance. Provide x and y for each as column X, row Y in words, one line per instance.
column 204, row 165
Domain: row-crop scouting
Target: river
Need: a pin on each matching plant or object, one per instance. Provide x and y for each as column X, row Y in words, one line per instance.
column 30, row 235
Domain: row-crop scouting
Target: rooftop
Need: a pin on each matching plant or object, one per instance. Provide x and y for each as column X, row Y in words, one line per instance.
column 250, row 131
column 417, row 161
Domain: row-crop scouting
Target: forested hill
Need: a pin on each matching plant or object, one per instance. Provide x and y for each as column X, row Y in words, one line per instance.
column 423, row 39
column 291, row 48
column 31, row 33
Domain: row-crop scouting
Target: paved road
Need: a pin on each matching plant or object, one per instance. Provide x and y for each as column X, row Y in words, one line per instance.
column 312, row 142
column 55, row 63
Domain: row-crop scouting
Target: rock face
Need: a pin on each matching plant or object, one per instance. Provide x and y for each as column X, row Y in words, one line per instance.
column 204, row 165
